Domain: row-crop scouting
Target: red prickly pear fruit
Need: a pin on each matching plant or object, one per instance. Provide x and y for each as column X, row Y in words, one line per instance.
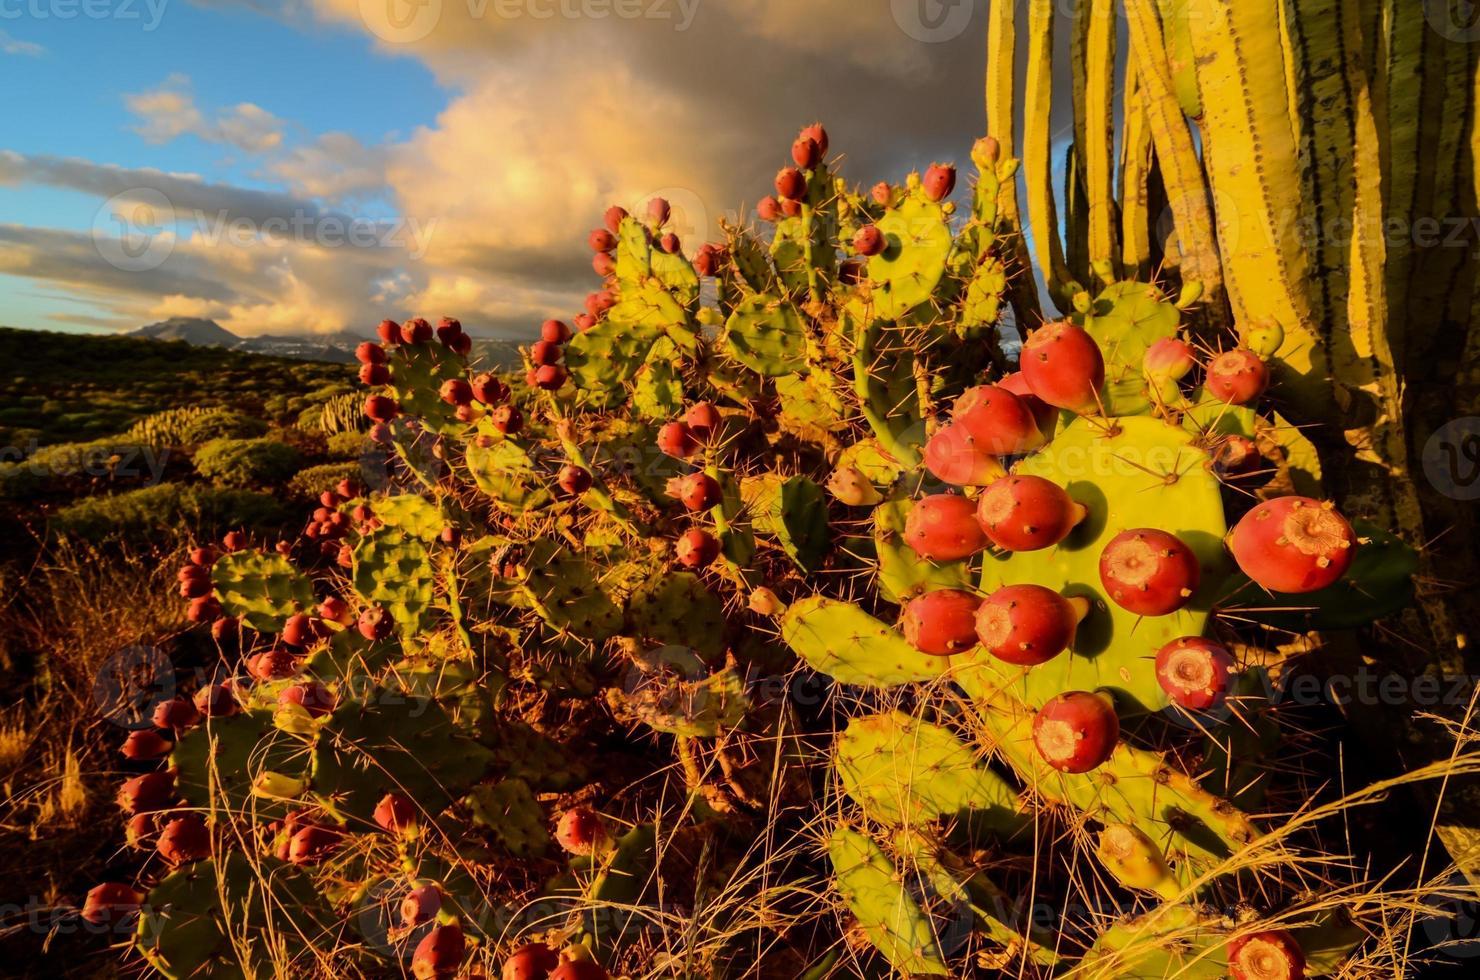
column 543, row 352
column 603, row 264
column 602, row 240
column 805, row 153
column 508, row 419
column 420, row 905
column 139, row 829
column 184, row 839
column 489, row 390
column 381, row 408
column 1063, row 366
column 375, row 623
column 533, row 961
column 1149, row 572
column 203, row 557
column 550, row 377
column 110, row 902
column 381, row 433
column 234, row 541
column 555, row 331
column 769, row 209
column 203, row 610
column 449, row 328
column 176, row 713
column 346, row 557
column 299, row 630
column 599, row 302
column 614, row 217
column 659, row 211
column 986, row 151
column 581, row 831
column 374, row 375
column 1076, row 732
column 699, row 491
column 998, row 421
column 440, row 953
column 1293, row 544
column 389, row 332
column 790, row 208
column 331, row 498
column 193, row 572
column 584, row 322
column 703, row 421
column 574, row 480
column 1194, row 672
column 311, row 844
column 274, row 665
column 335, row 610
column 817, row 134
column 450, row 536
column 146, row 745
column 1235, row 456
column 705, row 262
column 416, row 331
column 1027, row 625
column 1027, row 513
column 215, row 701
column 941, row 622
column 940, row 181
column 580, row 970
column 791, row 184
column 951, row 455
column 461, row 344
column 696, row 549
column 882, row 193
column 1237, row 377
column 670, row 243
column 943, row 528
column 311, row 696
column 195, row 587
column 1270, row 955
column 395, row 813
column 370, row 353
column 151, row 791
column 1170, row 358
column 676, row 439
column 869, row 241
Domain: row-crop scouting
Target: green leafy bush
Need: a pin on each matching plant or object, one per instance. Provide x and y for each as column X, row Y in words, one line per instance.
column 316, row 479
column 246, row 462
column 347, row 445
column 222, row 425
column 142, row 513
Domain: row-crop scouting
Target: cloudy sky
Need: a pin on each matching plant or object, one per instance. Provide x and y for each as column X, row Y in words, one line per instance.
column 288, row 166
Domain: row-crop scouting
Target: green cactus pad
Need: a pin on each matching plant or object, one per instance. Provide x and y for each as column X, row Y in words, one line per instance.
column 1173, row 941
column 634, row 255
column 605, row 358
column 810, row 399
column 904, row 771
column 416, row 515
column 677, row 276
column 889, row 916
column 509, row 810
column 646, row 309
column 201, row 919
column 658, row 392
column 1151, row 475
column 918, row 243
column 392, row 569
column 793, row 511
column 219, row 762
column 983, row 306
column 504, row 472
column 790, row 250
column 703, row 708
column 392, row 743
column 520, row 752
column 418, row 371
column 567, row 591
column 751, row 262
column 1126, row 319
column 852, row 647
column 767, row 335
column 263, row 589
column 676, row 608
column 903, row 574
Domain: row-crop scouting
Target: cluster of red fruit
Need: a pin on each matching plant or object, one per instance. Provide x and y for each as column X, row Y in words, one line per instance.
column 700, row 427
column 470, row 398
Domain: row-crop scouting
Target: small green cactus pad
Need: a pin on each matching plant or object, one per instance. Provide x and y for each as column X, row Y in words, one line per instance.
column 793, row 511
column 984, row 294
column 889, row 915
column 904, row 771
column 790, row 248
column 677, row 276
column 658, row 391
column 870, row 459
column 1126, row 319
column 226, row 763
column 648, row 309
column 567, row 591
column 418, row 371
column 670, row 704
column 766, row 334
column 751, row 262
column 811, row 399
column 634, row 252
column 508, row 809
column 619, row 885
column 392, row 743
column 1378, row 584
column 1172, row 941
column 903, row 574
column 504, row 471
column 263, row 589
column 416, row 515
column 1151, row 475
column 918, row 243
column 200, row 920
column 676, row 608
column 392, row 569
column 605, row 358
column 1211, row 417
column 850, row 646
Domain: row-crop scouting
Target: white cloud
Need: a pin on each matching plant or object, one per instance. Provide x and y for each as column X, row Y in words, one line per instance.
column 10, row 45
column 169, row 112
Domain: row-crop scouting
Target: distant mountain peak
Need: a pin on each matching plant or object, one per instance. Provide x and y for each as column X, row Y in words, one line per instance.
column 191, row 329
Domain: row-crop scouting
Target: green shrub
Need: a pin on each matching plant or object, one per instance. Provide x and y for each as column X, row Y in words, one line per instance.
column 316, row 479
column 347, row 445
column 222, row 425
column 168, row 428
column 143, row 513
column 247, row 462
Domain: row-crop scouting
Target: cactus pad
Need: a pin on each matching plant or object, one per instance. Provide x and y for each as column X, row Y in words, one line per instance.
column 392, row 569
column 887, row 913
column 262, row 589
column 766, row 334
